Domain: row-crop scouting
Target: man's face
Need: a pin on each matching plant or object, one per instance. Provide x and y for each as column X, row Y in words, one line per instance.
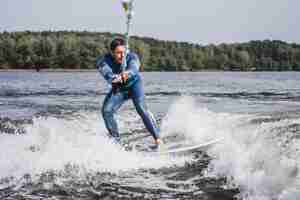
column 119, row 53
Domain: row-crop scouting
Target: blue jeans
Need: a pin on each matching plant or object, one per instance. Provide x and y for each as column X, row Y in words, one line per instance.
column 115, row 99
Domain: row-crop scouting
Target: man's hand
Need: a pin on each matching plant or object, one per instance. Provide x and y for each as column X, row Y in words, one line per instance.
column 125, row 76
column 118, row 79
column 121, row 78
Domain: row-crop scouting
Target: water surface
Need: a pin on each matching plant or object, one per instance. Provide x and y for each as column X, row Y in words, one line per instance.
column 54, row 145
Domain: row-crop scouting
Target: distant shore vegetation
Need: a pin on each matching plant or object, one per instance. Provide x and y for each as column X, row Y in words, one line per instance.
column 79, row 50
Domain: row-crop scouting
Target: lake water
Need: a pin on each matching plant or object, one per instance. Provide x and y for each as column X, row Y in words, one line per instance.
column 53, row 142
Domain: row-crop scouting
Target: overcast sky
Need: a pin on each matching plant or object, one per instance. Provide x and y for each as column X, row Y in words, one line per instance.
column 199, row 21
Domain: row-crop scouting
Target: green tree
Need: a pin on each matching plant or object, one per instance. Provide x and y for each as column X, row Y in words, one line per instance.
column 43, row 48
column 9, row 54
column 142, row 49
column 243, row 58
column 24, row 50
column 67, row 53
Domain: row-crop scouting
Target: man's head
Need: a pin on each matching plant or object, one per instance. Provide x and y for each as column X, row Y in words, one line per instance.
column 117, row 47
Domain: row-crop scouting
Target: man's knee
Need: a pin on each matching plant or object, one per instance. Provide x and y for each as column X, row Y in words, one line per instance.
column 107, row 111
column 140, row 105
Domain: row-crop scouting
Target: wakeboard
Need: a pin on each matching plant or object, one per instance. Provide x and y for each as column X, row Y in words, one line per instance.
column 173, row 150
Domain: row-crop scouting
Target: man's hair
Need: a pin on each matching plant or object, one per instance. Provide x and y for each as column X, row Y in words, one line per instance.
column 116, row 42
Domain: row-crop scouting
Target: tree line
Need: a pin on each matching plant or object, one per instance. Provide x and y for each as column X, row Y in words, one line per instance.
column 79, row 50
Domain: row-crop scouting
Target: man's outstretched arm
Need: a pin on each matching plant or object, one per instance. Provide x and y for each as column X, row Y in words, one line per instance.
column 105, row 71
column 133, row 67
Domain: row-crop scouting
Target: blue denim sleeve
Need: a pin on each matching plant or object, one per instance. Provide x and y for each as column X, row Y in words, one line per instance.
column 105, row 70
column 133, row 66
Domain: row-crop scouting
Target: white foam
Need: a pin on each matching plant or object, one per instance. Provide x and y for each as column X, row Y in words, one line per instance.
column 259, row 159
column 253, row 157
column 197, row 123
column 52, row 143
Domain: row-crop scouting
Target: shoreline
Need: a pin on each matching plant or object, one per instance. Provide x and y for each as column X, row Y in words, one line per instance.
column 90, row 70
column 48, row 70
column 95, row 70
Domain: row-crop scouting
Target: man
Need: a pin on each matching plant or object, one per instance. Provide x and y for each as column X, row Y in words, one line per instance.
column 125, row 84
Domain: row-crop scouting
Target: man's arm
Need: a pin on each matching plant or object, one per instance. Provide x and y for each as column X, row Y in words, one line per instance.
column 133, row 67
column 105, row 71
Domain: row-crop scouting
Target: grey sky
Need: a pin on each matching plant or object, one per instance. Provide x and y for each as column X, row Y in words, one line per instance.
column 200, row 21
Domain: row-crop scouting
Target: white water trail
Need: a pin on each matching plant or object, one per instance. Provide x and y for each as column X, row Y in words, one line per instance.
column 255, row 157
column 51, row 144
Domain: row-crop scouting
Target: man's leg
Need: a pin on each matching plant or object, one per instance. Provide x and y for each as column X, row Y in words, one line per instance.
column 138, row 98
column 112, row 103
